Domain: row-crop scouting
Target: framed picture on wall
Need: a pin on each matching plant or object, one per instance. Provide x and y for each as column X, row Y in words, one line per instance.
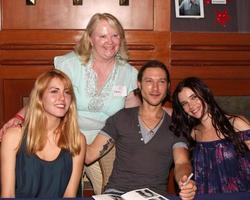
column 189, row 8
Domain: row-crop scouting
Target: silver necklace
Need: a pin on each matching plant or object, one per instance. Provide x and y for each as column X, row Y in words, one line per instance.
column 151, row 130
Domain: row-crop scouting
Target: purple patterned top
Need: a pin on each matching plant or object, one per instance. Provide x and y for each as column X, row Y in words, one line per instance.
column 218, row 168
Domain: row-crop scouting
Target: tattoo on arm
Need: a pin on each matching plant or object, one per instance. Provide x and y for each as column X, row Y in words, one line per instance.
column 107, row 146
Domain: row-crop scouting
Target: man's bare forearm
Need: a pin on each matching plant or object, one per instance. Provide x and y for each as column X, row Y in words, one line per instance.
column 98, row 149
column 182, row 169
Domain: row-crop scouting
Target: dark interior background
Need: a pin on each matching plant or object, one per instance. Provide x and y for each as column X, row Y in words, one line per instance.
column 239, row 11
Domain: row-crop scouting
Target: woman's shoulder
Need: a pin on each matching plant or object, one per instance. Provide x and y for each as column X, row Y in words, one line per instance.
column 240, row 123
column 12, row 136
column 70, row 57
column 124, row 65
column 66, row 56
column 69, row 63
column 82, row 139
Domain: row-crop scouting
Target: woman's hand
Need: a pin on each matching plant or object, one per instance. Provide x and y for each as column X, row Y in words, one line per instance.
column 13, row 122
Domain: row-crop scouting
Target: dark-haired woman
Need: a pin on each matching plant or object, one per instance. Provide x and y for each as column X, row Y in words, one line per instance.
column 220, row 142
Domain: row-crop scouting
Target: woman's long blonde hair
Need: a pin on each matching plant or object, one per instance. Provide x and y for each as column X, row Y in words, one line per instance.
column 34, row 129
column 84, row 47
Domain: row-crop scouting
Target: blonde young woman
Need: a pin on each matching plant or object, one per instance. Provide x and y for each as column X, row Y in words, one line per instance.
column 44, row 157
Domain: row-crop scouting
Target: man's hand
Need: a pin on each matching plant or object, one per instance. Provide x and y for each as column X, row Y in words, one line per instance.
column 187, row 187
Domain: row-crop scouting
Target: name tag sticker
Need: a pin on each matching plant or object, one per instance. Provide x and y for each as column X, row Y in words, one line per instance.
column 120, row 91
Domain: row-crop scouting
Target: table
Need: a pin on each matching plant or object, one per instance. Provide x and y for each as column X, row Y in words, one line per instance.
column 225, row 196
column 221, row 196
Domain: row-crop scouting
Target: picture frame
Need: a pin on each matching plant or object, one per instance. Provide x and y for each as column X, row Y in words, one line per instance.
column 189, row 8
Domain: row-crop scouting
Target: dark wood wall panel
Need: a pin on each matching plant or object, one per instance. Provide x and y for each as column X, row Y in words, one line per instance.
column 29, row 44
column 22, row 58
column 224, row 87
column 53, row 27
column 16, row 94
column 1, row 103
column 16, row 82
column 61, row 14
column 22, row 71
column 144, row 46
column 220, row 59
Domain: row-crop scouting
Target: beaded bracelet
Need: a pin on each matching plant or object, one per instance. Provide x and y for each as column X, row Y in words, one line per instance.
column 20, row 117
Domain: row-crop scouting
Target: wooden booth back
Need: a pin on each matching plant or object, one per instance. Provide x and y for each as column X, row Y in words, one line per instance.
column 32, row 35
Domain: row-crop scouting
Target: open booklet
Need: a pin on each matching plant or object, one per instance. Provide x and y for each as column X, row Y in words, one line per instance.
column 139, row 194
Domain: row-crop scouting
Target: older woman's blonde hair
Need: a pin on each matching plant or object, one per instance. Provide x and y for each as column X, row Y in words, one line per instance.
column 84, row 47
column 34, row 129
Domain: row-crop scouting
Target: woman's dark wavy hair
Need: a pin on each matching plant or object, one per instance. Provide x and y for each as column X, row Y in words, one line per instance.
column 182, row 124
column 154, row 64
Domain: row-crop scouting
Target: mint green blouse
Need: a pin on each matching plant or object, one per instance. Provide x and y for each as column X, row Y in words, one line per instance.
column 93, row 106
